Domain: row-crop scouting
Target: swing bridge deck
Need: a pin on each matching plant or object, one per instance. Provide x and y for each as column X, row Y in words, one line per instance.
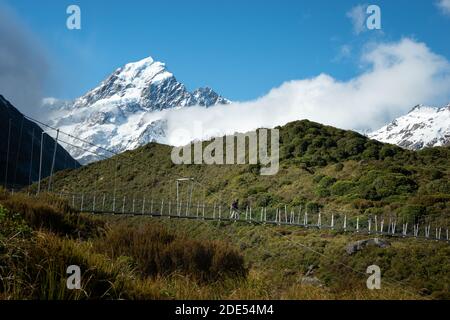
column 389, row 226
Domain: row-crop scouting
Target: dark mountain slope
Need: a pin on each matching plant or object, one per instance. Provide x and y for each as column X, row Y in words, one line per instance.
column 20, row 165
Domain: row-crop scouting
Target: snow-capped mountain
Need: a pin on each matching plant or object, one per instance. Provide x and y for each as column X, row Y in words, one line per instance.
column 422, row 127
column 126, row 110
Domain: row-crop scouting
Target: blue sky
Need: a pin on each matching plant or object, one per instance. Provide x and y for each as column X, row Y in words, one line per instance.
column 242, row 49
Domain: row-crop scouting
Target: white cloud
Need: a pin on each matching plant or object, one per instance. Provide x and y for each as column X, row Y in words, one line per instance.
column 444, row 6
column 396, row 76
column 357, row 16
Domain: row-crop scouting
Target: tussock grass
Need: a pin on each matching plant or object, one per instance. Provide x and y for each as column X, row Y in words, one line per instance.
column 410, row 269
column 51, row 213
column 143, row 258
column 158, row 252
column 40, row 238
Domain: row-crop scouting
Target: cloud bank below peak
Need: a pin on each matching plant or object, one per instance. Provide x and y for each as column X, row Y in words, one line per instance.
column 394, row 77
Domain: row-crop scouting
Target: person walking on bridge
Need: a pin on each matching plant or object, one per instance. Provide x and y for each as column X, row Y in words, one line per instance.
column 235, row 210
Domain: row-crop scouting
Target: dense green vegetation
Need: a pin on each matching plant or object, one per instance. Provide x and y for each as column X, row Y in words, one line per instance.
column 320, row 167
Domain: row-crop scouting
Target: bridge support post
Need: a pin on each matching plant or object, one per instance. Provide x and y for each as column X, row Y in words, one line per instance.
column 53, row 161
column 123, row 204
column 143, row 205
column 198, row 208
column 319, row 220
column 265, row 215
column 427, row 231
column 203, row 211
column 40, row 159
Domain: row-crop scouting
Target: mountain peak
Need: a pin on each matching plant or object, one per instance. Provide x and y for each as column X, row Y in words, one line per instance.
column 121, row 113
column 149, row 60
column 205, row 96
column 423, row 126
column 146, row 70
column 417, row 107
column 428, row 109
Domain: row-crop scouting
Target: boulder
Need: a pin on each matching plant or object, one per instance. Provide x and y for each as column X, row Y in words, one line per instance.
column 311, row 281
column 354, row 247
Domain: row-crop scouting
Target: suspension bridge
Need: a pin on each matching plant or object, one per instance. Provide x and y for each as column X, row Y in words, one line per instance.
column 374, row 225
column 390, row 225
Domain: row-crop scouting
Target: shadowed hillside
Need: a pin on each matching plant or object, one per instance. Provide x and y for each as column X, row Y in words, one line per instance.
column 22, row 166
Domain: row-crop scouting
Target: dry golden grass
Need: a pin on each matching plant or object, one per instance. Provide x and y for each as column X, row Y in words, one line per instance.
column 158, row 252
column 308, row 292
column 142, row 258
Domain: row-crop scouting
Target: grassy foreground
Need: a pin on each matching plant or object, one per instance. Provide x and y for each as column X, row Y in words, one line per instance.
column 142, row 258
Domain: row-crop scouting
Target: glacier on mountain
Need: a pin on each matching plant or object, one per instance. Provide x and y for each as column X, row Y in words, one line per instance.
column 125, row 111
